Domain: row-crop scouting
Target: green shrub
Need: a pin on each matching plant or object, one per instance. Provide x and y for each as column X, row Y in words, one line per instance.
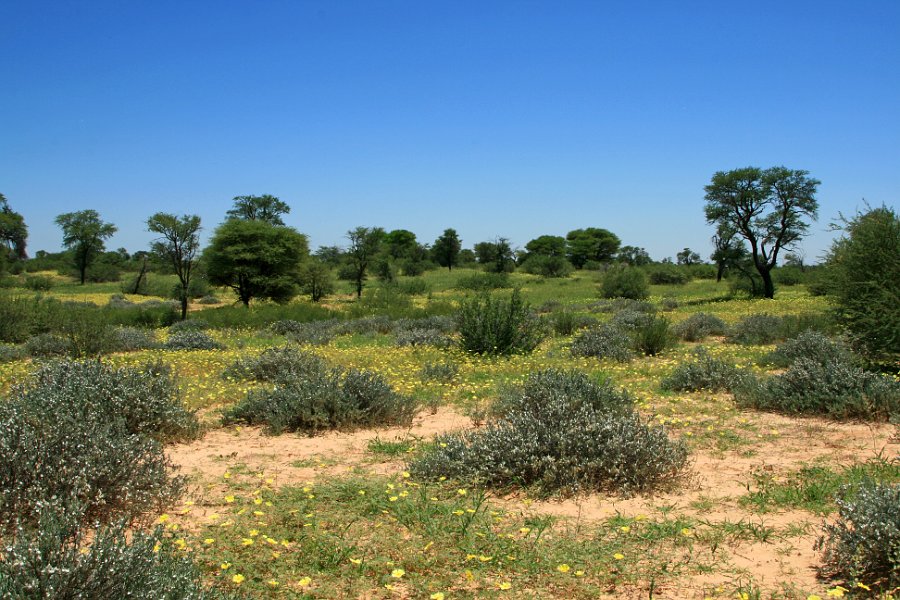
column 630, row 320
column 699, row 326
column 46, row 345
column 605, row 341
column 559, row 436
column 566, row 322
column 483, row 282
column 209, row 299
column 324, row 399
column 382, row 324
column 15, row 319
column 811, row 345
column 443, row 372
column 442, row 323
column 668, row 304
column 756, row 330
column 11, row 352
column 667, row 275
column 260, row 316
column 703, row 372
column 86, row 435
column 863, row 546
column 835, row 388
column 314, row 332
column 39, row 283
column 129, row 339
column 87, row 332
column 189, row 325
column 548, row 266
column 490, row 325
column 191, row 340
column 277, row 365
column 653, row 337
column 625, row 282
column 413, row 287
column 616, row 305
column 61, row 559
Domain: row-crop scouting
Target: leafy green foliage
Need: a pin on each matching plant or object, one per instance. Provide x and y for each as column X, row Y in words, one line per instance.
column 698, row 327
column 702, row 372
column 625, row 282
column 446, row 249
column 605, row 341
column 811, row 345
column 756, row 329
column 84, row 234
column 440, row 371
column 191, row 340
column 863, row 546
column 567, row 322
column 483, row 282
column 652, row 337
column 489, row 325
column 559, row 433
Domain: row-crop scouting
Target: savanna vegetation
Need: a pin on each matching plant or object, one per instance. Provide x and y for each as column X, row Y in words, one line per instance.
column 395, row 419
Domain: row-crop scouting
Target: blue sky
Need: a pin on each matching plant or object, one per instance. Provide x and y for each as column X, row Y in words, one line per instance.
column 510, row 119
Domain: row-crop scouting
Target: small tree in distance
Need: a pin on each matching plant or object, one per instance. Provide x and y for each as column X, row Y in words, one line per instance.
column 259, row 208
column 365, row 242
column 446, row 249
column 84, row 234
column 177, row 247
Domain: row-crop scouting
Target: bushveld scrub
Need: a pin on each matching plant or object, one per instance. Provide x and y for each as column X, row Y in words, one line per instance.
column 191, row 339
column 810, row 345
column 702, row 372
column 699, row 326
column 605, row 341
column 625, row 282
column 560, row 432
column 567, row 322
column 87, row 435
column 863, row 546
column 489, row 325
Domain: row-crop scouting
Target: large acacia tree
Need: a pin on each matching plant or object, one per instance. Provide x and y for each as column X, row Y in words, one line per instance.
column 177, row 247
column 84, row 234
column 765, row 207
column 266, row 208
column 13, row 232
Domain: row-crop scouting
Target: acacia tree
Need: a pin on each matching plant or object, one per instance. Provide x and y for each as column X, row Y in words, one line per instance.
column 13, row 232
column 687, row 257
column 266, row 208
column 591, row 243
column 729, row 251
column 446, row 249
column 256, row 259
column 83, row 234
column 766, row 208
column 365, row 242
column 177, row 247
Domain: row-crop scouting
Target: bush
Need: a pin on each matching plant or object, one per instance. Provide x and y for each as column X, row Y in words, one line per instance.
column 653, row 337
column 703, row 372
column 625, row 282
column 497, row 326
column 863, row 546
column 439, row 371
column 11, row 352
column 424, row 337
column 615, row 305
column 209, row 299
column 548, row 266
column 15, row 319
column 129, row 339
column 756, row 330
column 629, row 320
column 188, row 325
column 39, row 283
column 367, row 326
column 314, row 332
column 60, row 559
column 87, row 331
column 324, row 399
column 865, row 281
column 835, row 388
column 566, row 322
column 413, row 287
column 605, row 341
column 810, row 345
column 667, row 275
column 483, row 282
column 562, row 433
column 699, row 326
column 191, row 340
column 442, row 323
column 46, row 345
column 277, row 365
column 88, row 436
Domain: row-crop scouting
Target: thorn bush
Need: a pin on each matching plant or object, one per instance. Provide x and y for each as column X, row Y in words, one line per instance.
column 489, row 325
column 703, row 372
column 605, row 341
column 699, row 326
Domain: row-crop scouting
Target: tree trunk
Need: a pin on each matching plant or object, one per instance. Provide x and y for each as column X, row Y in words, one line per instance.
column 83, row 269
column 768, row 284
column 720, row 271
column 184, row 304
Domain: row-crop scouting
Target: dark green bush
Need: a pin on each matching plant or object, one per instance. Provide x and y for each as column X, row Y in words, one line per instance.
column 699, row 326
column 413, row 287
column 83, row 434
column 366, row 326
column 483, row 282
column 490, row 325
column 838, row 389
column 667, row 275
column 39, row 283
column 324, row 399
column 548, row 266
column 564, row 434
column 260, row 316
column 442, row 323
column 566, row 322
column 61, row 559
column 209, row 299
column 616, row 305
column 653, row 337
column 863, row 546
column 313, row 332
column 191, row 340
column 625, row 282
column 703, row 372
column 811, row 345
column 630, row 320
column 605, row 341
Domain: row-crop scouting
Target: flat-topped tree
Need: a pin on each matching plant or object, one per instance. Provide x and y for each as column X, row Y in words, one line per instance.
column 84, row 234
column 766, row 208
column 266, row 208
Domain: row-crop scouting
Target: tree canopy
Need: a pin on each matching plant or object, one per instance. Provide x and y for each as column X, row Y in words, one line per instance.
column 592, row 243
column 177, row 247
column 13, row 232
column 265, row 208
column 446, row 249
column 84, row 234
column 256, row 259
column 765, row 207
column 365, row 243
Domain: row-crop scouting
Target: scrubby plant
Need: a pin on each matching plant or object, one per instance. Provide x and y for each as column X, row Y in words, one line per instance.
column 424, row 337
column 653, row 337
column 382, row 324
column 87, row 435
column 483, row 282
column 567, row 322
column 39, row 283
column 442, row 323
column 129, row 339
column 191, row 340
column 702, row 372
column 312, row 332
column 277, row 365
column 62, row 559
column 810, row 345
column 668, row 304
column 439, row 371
column 667, row 275
column 838, row 389
column 615, row 305
column 489, row 325
column 630, row 320
column 11, row 352
column 324, row 399
column 209, row 299
column 863, row 545
column 625, row 282
column 45, row 345
column 756, row 329
column 561, row 434
column 189, row 325
column 699, row 326
column 605, row 341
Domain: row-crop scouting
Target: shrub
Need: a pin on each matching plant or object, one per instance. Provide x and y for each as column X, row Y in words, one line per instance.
column 129, row 339
column 439, row 371
column 698, row 327
column 497, row 326
column 15, row 318
column 483, row 282
column 413, row 287
column 191, row 340
column 39, row 283
column 615, row 305
column 629, row 320
column 442, row 323
column 810, row 345
column 837, row 389
column 703, row 372
column 86, row 331
column 86, row 435
column 46, row 345
column 424, row 337
column 667, row 275
column 209, row 299
column 277, row 365
column 668, row 304
column 625, row 282
column 314, row 332
column 653, row 337
column 605, row 341
column 188, row 325
column 863, row 546
column 548, row 266
column 11, row 352
column 60, row 559
column 566, row 322
column 756, row 329
column 324, row 399
column 564, row 435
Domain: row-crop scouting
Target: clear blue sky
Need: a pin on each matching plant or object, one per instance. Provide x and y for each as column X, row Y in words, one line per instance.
column 510, row 119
